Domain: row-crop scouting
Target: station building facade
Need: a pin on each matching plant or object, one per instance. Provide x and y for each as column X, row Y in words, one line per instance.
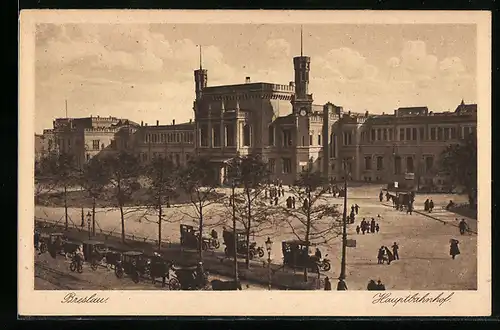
column 281, row 123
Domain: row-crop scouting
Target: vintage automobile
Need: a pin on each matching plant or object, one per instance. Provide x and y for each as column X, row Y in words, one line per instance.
column 296, row 254
column 94, row 253
column 70, row 247
column 113, row 258
column 53, row 242
column 241, row 241
column 190, row 238
column 159, row 268
column 188, row 278
column 134, row 263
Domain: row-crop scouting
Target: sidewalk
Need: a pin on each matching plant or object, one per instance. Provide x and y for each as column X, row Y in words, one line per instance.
column 444, row 216
column 214, row 261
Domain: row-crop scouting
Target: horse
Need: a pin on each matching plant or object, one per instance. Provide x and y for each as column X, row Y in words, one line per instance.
column 218, row 285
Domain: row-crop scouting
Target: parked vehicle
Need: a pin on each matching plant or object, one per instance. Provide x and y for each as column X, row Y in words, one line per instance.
column 188, row 278
column 241, row 247
column 134, row 264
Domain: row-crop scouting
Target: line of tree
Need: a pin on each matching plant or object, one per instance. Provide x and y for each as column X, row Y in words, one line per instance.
column 459, row 161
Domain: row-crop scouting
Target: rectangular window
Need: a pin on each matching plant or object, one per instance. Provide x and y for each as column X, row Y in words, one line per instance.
column 409, row 164
column 433, row 133
column 414, row 134
column 310, row 140
column 446, row 133
column 380, row 163
column 385, row 134
column 287, row 137
column 440, row 133
column 303, row 140
column 246, row 135
column 390, row 134
column 271, row 135
column 408, row 133
column 379, row 134
column 287, row 165
column 422, row 137
column 429, row 163
column 95, row 144
column 272, row 165
column 373, row 135
column 453, row 133
column 397, row 165
column 368, row 163
column 319, row 139
column 401, row 134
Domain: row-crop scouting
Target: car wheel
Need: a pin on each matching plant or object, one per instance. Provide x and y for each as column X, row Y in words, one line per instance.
column 326, row 266
column 261, row 253
column 216, row 244
column 119, row 272
column 72, row 266
column 80, row 268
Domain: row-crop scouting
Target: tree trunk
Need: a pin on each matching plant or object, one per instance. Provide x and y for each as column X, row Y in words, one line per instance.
column 308, row 227
column 200, row 240
column 159, row 224
column 93, row 215
column 123, row 222
column 249, row 218
column 65, row 208
column 235, row 241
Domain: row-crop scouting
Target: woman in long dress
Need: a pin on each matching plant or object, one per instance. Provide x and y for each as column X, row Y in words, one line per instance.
column 454, row 250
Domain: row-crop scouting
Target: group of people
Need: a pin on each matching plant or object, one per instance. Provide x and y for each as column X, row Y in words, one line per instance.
column 341, row 285
column 428, row 205
column 385, row 255
column 372, row 286
column 290, row 202
column 368, row 226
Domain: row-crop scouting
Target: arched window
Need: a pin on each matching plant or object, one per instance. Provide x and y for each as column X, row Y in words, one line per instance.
column 246, row 135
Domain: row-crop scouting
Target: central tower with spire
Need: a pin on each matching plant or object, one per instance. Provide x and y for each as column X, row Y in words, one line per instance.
column 301, row 65
column 200, row 79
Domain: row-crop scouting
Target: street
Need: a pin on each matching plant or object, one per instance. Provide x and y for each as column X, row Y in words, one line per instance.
column 425, row 263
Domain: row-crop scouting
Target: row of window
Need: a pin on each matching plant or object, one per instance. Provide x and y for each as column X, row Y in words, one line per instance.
column 410, row 166
column 174, row 157
column 414, row 134
column 169, row 137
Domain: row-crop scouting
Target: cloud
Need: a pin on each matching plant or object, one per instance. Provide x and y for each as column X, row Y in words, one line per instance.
column 347, row 64
column 278, row 47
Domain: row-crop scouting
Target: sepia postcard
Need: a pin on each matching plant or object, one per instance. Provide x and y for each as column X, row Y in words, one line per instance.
column 167, row 155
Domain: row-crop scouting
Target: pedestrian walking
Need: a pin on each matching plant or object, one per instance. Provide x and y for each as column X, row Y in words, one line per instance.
column 341, row 286
column 463, row 226
column 352, row 209
column 377, row 228
column 372, row 226
column 454, row 250
column 289, row 202
column 380, row 255
column 409, row 209
column 426, row 205
column 356, row 207
column 358, row 229
column 431, row 206
column 351, row 217
column 395, row 249
column 328, row 285
column 381, row 196
column 372, row 286
column 380, row 286
column 363, row 226
column 293, row 202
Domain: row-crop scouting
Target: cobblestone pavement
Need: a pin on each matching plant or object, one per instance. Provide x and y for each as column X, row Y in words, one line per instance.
column 425, row 262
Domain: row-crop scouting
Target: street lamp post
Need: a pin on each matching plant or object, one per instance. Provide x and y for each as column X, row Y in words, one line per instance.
column 89, row 219
column 269, row 245
column 344, row 228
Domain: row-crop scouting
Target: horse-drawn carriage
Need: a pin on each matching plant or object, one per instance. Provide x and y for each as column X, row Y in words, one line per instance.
column 188, row 278
column 296, row 254
column 241, row 244
column 190, row 239
column 133, row 263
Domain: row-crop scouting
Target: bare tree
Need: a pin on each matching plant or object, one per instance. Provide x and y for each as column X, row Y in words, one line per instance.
column 94, row 179
column 313, row 220
column 162, row 179
column 251, row 173
column 123, row 170
column 198, row 180
column 44, row 179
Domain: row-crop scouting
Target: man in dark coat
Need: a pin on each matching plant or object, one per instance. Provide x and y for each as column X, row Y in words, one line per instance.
column 372, row 225
column 431, row 206
column 395, row 249
column 454, row 250
column 377, row 228
column 462, row 226
column 293, row 202
column 358, row 229
column 426, row 205
column 372, row 286
column 381, row 196
column 380, row 286
column 356, row 208
column 352, row 209
column 363, row 226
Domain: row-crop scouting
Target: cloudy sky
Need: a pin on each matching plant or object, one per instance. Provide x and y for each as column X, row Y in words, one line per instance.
column 145, row 72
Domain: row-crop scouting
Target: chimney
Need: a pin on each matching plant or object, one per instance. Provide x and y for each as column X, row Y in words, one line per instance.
column 173, row 121
column 145, row 124
column 247, row 80
column 190, row 121
column 157, row 123
column 142, row 123
column 366, row 113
